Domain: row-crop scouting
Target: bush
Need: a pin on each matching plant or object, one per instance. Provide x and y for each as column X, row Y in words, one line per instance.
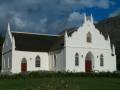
column 42, row 74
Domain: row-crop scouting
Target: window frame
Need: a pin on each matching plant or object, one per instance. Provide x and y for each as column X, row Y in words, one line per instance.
column 55, row 61
column 101, row 60
column 89, row 38
column 76, row 59
column 37, row 62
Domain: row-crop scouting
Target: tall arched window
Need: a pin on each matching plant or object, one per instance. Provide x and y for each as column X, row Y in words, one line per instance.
column 76, row 59
column 37, row 61
column 89, row 37
column 101, row 60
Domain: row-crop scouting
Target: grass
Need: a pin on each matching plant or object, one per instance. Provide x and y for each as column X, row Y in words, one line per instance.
column 61, row 83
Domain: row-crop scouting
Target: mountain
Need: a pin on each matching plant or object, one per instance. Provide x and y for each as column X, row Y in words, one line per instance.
column 111, row 27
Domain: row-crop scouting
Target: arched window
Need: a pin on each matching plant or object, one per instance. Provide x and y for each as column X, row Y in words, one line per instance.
column 101, row 60
column 76, row 59
column 37, row 61
column 55, row 60
column 89, row 37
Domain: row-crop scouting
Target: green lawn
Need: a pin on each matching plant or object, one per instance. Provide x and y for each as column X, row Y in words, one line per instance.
column 62, row 83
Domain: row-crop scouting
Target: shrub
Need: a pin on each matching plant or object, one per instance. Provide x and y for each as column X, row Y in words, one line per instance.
column 42, row 74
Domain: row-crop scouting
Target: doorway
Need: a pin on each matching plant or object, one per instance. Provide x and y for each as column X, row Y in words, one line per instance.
column 24, row 65
column 89, row 65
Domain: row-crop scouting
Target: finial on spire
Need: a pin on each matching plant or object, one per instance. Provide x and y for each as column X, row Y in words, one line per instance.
column 91, row 18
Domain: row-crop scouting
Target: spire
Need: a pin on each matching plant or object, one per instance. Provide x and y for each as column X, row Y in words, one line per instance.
column 108, row 38
column 8, row 26
column 91, row 18
column 85, row 19
column 13, row 43
column 65, row 38
column 9, row 32
column 66, row 34
column 113, row 49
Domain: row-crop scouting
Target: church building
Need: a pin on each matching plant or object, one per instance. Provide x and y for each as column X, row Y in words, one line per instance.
column 82, row 49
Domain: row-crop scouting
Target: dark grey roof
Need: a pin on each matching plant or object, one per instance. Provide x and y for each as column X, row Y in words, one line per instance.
column 37, row 42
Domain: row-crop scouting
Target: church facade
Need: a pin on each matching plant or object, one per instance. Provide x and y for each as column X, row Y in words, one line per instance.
column 82, row 49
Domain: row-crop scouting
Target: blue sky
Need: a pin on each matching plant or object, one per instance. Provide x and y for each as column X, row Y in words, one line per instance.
column 52, row 16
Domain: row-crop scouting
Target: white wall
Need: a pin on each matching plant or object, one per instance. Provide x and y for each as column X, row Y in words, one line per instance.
column 30, row 57
column 77, row 43
column 60, row 60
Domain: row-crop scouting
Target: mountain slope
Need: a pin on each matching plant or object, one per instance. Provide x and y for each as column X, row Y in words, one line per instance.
column 111, row 26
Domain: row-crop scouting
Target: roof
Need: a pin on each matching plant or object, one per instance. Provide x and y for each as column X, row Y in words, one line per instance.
column 37, row 42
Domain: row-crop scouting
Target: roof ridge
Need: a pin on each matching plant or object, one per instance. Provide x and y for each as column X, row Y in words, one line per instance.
column 34, row 33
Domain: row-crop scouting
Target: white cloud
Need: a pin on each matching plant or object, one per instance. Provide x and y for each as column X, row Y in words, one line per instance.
column 75, row 19
column 75, row 16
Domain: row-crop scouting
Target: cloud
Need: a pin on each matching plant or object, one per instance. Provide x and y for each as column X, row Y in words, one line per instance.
column 91, row 3
column 115, row 13
column 45, row 16
column 75, row 19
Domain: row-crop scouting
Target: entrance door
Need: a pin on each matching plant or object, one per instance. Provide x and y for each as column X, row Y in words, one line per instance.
column 88, row 66
column 24, row 65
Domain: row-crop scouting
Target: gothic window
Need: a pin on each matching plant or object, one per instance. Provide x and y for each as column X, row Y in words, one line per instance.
column 55, row 60
column 37, row 61
column 76, row 59
column 89, row 37
column 101, row 60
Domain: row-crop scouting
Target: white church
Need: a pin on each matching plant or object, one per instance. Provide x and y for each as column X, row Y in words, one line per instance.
column 82, row 49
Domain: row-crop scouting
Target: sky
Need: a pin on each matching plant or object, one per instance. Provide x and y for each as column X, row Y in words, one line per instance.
column 52, row 16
